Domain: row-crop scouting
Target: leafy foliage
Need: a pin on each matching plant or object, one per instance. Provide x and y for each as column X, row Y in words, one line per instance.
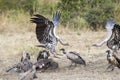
column 95, row 12
column 99, row 12
column 26, row 5
column 69, row 9
column 77, row 14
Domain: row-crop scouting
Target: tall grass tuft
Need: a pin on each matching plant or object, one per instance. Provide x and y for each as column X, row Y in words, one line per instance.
column 15, row 21
column 79, row 14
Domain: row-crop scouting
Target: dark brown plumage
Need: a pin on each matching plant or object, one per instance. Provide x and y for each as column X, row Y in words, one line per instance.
column 114, row 41
column 46, row 64
column 41, row 28
column 43, row 55
column 113, row 60
column 46, row 31
column 44, row 28
column 25, row 57
column 24, row 65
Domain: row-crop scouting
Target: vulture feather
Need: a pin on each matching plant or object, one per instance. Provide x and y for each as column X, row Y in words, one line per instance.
column 113, row 36
column 46, row 31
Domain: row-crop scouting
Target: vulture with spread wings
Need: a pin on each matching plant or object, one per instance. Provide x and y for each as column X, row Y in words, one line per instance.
column 46, row 31
column 113, row 38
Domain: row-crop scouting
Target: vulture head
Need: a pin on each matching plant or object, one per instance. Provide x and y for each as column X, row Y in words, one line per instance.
column 25, row 56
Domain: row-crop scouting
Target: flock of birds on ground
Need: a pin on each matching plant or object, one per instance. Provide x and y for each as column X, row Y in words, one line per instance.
column 46, row 35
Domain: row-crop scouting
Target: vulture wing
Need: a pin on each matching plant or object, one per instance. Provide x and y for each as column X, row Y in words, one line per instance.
column 43, row 27
column 75, row 57
column 114, row 40
column 109, row 26
column 56, row 19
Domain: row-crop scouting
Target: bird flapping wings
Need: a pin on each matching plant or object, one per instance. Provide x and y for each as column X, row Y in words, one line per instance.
column 56, row 19
column 114, row 37
column 45, row 28
column 110, row 24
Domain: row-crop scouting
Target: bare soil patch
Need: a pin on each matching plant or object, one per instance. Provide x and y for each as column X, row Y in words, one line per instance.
column 12, row 45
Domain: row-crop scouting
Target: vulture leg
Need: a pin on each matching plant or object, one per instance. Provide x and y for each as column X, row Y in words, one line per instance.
column 65, row 44
column 53, row 51
column 71, row 64
column 108, row 67
column 54, row 54
column 112, row 68
column 75, row 65
column 57, row 53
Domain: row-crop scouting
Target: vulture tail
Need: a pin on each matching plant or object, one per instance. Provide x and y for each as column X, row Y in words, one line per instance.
column 82, row 61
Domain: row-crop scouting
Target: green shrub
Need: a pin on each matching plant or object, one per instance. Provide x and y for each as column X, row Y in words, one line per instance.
column 69, row 9
column 94, row 12
column 27, row 5
column 77, row 14
column 99, row 13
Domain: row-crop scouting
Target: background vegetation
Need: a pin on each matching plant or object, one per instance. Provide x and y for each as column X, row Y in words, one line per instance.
column 17, row 34
column 77, row 14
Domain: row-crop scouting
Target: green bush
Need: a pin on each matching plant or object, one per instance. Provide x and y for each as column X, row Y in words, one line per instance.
column 94, row 12
column 75, row 13
column 99, row 13
column 27, row 5
column 69, row 9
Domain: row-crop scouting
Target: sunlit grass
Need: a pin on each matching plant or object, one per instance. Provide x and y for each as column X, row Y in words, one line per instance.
column 13, row 21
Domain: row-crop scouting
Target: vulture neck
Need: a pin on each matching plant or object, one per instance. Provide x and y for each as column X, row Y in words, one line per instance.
column 54, row 32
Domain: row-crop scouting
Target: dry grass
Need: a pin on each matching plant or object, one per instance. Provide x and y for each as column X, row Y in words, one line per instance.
column 16, row 36
column 12, row 45
column 15, row 21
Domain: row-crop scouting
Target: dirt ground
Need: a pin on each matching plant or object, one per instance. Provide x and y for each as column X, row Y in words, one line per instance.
column 12, row 45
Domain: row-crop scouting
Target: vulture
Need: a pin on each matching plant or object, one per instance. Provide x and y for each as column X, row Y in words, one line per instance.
column 24, row 65
column 46, row 31
column 43, row 55
column 113, row 60
column 74, row 57
column 113, row 36
column 42, row 65
column 28, row 75
column 46, row 64
column 25, row 56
